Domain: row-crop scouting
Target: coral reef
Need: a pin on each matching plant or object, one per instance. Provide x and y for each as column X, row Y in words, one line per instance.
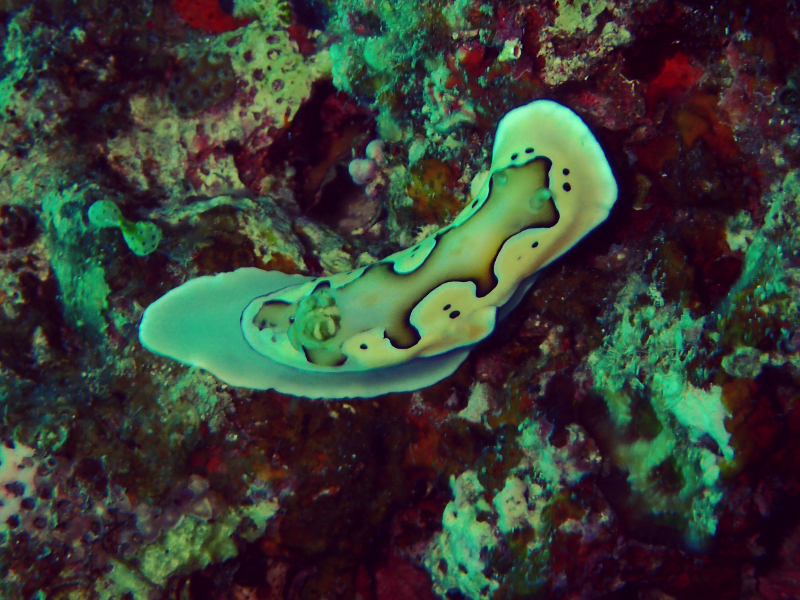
column 632, row 429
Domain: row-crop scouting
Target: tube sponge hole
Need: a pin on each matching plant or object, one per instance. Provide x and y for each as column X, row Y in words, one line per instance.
column 142, row 237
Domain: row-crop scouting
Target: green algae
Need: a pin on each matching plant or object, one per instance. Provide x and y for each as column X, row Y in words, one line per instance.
column 142, row 237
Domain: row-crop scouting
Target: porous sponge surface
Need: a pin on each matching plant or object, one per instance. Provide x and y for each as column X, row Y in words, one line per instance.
column 17, row 470
column 245, row 85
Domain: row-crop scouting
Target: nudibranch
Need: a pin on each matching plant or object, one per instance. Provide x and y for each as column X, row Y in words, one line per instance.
column 411, row 319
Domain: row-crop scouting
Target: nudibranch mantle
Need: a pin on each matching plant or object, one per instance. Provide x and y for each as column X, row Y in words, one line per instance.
column 412, row 318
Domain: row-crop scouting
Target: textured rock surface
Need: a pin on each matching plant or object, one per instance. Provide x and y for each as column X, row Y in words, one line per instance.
column 631, row 431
